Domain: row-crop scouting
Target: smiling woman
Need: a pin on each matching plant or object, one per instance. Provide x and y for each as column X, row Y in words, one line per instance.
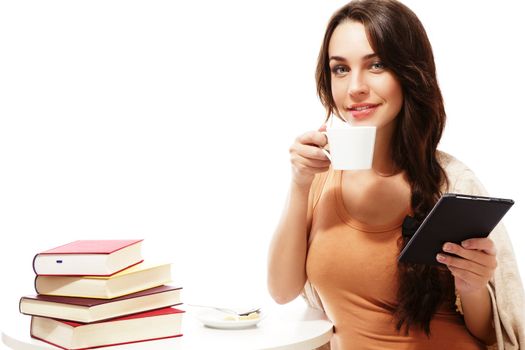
column 342, row 230
column 364, row 92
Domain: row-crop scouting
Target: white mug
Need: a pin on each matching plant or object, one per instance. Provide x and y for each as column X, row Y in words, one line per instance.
column 351, row 148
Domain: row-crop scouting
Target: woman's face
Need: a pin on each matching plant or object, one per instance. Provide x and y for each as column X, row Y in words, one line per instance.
column 364, row 91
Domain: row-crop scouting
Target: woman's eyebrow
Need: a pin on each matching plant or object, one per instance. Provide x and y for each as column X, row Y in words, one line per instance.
column 364, row 58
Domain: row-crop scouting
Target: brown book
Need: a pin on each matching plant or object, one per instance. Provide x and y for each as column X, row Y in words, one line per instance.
column 87, row 310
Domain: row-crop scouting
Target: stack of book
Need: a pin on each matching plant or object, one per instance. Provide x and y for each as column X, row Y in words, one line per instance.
column 94, row 293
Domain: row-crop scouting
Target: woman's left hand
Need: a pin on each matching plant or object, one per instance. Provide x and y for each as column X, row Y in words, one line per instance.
column 474, row 264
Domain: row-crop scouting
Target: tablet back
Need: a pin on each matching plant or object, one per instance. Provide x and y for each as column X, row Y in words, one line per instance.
column 454, row 218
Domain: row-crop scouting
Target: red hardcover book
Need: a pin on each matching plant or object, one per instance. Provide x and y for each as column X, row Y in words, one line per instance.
column 86, row 310
column 89, row 257
column 150, row 325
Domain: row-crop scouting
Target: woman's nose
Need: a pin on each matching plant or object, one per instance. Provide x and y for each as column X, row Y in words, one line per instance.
column 357, row 86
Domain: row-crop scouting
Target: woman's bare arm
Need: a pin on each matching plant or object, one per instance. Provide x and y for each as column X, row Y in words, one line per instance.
column 288, row 249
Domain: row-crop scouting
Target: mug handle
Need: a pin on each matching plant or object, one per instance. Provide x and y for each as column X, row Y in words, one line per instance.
column 325, row 151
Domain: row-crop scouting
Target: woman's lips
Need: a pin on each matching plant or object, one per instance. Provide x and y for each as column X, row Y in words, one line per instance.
column 362, row 112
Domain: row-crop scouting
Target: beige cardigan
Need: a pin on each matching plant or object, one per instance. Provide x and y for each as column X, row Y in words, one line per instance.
column 506, row 291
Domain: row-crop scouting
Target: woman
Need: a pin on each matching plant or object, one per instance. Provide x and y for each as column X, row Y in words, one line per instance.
column 341, row 231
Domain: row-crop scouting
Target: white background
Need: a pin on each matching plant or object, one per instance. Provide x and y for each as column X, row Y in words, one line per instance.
column 171, row 121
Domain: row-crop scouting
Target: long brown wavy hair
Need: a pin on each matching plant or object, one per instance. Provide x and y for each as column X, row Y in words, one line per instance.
column 397, row 36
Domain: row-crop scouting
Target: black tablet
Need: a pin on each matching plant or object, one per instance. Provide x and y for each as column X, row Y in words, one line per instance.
column 454, row 218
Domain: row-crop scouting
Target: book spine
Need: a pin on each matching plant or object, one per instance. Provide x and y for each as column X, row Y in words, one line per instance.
column 20, row 305
column 34, row 264
column 36, row 289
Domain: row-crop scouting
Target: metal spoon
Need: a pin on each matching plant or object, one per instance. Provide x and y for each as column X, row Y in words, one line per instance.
column 230, row 311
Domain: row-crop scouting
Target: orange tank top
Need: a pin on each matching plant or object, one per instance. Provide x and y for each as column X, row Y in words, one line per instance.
column 353, row 267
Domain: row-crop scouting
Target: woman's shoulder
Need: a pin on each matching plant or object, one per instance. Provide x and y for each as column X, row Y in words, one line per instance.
column 451, row 164
column 461, row 179
column 321, row 180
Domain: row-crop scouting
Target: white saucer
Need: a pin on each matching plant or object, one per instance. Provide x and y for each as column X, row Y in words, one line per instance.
column 218, row 319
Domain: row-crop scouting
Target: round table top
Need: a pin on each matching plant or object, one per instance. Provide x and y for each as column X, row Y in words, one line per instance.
column 291, row 326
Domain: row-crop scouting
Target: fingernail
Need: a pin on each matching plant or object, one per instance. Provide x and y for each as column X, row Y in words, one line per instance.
column 447, row 247
column 440, row 257
column 465, row 244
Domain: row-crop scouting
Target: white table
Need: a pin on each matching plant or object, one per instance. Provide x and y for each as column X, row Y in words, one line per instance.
column 292, row 326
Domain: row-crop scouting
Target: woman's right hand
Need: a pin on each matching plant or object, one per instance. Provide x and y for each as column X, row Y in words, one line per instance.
column 307, row 157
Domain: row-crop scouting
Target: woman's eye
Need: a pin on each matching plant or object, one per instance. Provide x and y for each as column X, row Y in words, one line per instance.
column 340, row 70
column 377, row 66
